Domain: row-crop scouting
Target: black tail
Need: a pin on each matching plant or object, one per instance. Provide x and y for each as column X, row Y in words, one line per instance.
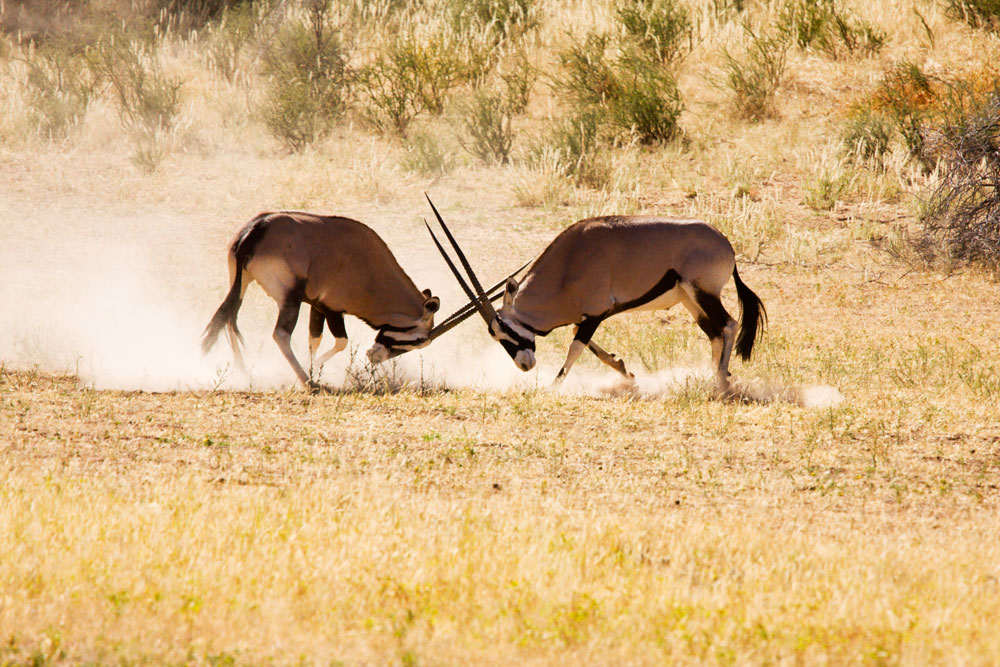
column 753, row 317
column 243, row 248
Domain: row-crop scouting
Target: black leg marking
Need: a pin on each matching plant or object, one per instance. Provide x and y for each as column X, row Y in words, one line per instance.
column 709, row 328
column 585, row 330
column 336, row 323
column 712, row 307
column 315, row 322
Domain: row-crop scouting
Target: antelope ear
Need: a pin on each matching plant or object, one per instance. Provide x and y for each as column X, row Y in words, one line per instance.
column 508, row 295
column 427, row 293
column 431, row 305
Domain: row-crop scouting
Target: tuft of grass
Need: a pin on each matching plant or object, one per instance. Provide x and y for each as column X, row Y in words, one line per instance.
column 426, row 154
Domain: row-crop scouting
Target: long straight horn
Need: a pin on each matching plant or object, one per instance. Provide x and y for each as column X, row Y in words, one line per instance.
column 466, row 311
column 487, row 310
column 473, row 297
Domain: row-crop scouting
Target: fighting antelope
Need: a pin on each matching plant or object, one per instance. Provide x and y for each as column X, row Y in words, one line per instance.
column 338, row 266
column 601, row 267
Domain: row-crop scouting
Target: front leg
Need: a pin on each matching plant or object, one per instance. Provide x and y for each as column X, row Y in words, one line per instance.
column 582, row 333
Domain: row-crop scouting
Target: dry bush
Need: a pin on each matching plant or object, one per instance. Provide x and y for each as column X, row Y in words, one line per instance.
column 984, row 14
column 60, row 84
column 961, row 220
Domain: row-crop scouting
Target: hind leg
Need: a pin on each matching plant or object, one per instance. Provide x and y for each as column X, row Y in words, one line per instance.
column 335, row 321
column 718, row 325
column 610, row 359
column 288, row 315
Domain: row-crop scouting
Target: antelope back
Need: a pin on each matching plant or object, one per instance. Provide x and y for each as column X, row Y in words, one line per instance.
column 341, row 264
column 597, row 265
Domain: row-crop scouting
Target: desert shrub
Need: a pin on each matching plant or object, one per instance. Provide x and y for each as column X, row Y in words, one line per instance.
column 829, row 27
column 907, row 96
column 425, row 154
column 754, row 77
column 630, row 95
column 662, row 28
column 983, row 14
column 309, row 78
column 961, row 216
column 60, row 86
column 488, row 125
column 648, row 103
column 518, row 76
column 148, row 100
column 412, row 76
column 184, row 15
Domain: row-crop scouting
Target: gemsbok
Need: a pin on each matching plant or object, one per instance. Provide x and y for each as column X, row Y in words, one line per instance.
column 338, row 266
column 600, row 267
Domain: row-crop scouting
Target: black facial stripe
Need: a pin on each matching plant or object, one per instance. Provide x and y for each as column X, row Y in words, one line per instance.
column 386, row 338
column 522, row 342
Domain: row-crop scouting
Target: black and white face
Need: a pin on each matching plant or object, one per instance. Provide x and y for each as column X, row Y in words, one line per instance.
column 393, row 341
column 516, row 339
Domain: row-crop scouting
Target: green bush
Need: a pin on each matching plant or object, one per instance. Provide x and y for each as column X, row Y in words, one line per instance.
column 412, row 76
column 754, row 77
column 631, row 95
column 488, row 126
column 309, row 78
column 647, row 104
column 662, row 28
column 828, row 27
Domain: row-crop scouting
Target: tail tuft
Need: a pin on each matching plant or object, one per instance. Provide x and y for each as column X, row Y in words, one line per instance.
column 753, row 317
column 242, row 249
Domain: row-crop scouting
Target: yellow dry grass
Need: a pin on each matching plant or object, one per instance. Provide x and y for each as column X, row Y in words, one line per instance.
column 508, row 525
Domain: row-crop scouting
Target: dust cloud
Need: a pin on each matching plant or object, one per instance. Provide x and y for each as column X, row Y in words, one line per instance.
column 121, row 302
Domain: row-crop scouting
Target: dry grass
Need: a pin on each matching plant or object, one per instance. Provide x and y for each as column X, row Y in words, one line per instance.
column 474, row 516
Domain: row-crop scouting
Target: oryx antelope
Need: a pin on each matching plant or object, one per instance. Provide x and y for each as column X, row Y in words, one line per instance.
column 600, row 267
column 338, row 266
